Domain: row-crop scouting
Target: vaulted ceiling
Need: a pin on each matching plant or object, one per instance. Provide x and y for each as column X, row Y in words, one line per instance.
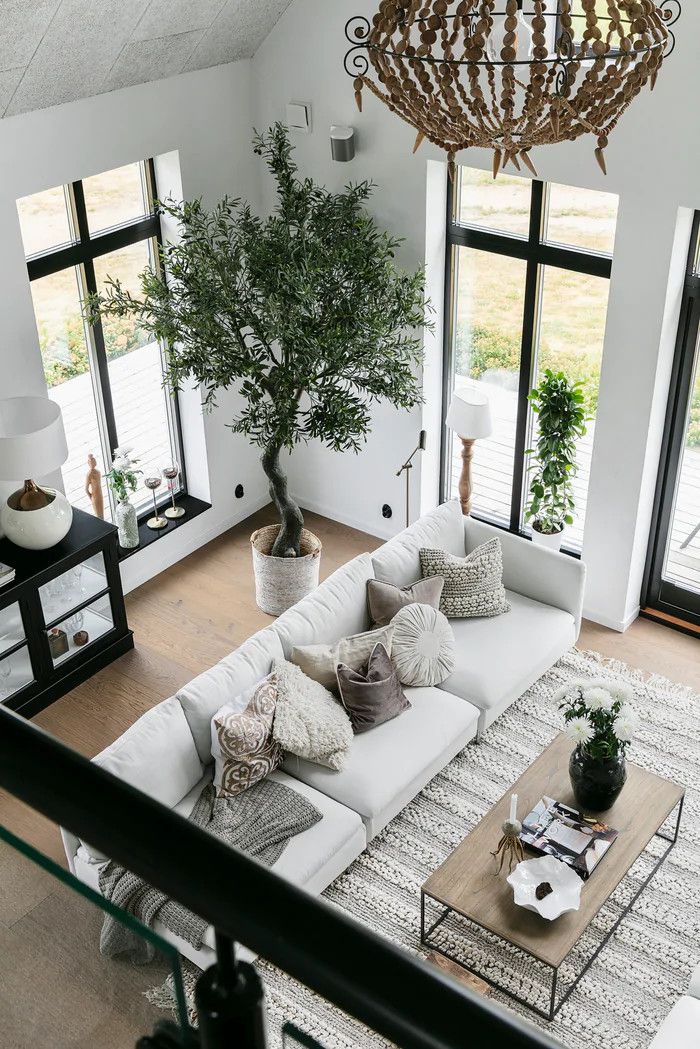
column 54, row 51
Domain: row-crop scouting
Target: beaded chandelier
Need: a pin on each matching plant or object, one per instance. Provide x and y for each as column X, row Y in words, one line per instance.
column 510, row 75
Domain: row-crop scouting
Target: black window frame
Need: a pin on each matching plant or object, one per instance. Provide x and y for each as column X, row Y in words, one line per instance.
column 658, row 594
column 537, row 253
column 81, row 253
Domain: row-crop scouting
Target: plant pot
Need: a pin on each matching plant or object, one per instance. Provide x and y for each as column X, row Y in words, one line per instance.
column 128, row 526
column 282, row 581
column 552, row 542
column 597, row 782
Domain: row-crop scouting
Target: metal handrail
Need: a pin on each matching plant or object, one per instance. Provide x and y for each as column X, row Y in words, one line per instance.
column 397, row 995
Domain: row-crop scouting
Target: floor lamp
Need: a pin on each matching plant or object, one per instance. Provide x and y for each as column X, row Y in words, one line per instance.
column 406, row 468
column 470, row 418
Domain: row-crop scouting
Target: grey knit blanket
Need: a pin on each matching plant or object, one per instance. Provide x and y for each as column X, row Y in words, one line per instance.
column 260, row 822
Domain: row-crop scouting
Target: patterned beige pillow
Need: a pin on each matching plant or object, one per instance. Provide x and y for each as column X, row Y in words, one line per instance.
column 473, row 585
column 243, row 746
column 319, row 662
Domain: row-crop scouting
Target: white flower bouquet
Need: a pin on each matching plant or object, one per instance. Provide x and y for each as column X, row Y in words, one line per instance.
column 599, row 717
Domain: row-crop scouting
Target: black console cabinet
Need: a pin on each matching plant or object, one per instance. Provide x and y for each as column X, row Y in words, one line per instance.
column 74, row 588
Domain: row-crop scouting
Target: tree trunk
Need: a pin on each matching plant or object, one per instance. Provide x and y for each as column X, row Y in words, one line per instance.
column 288, row 542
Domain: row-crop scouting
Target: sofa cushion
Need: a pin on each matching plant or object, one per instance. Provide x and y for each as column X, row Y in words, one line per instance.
column 398, row 561
column 233, row 676
column 473, row 585
column 320, row 662
column 309, row 721
column 423, row 648
column 157, row 755
column 680, row 1028
column 338, row 608
column 244, row 748
column 372, row 694
column 384, row 600
column 498, row 659
column 388, row 766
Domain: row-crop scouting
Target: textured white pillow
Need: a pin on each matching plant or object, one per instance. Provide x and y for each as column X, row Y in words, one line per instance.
column 308, row 720
column 423, row 646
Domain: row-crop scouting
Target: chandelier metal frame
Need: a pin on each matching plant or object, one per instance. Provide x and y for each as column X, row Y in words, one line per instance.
column 436, row 68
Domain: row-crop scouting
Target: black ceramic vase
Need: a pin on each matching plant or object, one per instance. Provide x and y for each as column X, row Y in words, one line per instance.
column 597, row 782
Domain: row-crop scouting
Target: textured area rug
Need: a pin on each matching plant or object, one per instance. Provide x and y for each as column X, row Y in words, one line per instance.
column 638, row 976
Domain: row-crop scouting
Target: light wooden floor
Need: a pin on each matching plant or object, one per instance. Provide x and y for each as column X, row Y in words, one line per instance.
column 184, row 621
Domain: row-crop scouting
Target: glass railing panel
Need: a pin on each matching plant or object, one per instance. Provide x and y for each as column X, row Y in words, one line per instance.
column 57, row 989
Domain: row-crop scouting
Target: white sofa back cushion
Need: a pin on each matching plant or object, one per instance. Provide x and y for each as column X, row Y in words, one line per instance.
column 534, row 571
column 156, row 755
column 234, row 675
column 337, row 609
column 398, row 562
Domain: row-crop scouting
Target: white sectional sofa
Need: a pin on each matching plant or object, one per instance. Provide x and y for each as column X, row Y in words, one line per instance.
column 167, row 753
column 681, row 1028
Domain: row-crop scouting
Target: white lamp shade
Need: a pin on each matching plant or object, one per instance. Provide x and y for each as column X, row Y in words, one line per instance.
column 32, row 438
column 470, row 415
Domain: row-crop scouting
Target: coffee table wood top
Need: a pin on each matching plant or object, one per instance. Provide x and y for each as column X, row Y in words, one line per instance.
column 468, row 883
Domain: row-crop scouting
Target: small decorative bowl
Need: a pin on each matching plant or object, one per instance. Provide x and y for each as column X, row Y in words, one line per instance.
column 566, row 887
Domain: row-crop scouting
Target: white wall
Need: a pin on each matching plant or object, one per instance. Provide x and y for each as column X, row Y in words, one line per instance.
column 202, row 121
column 653, row 163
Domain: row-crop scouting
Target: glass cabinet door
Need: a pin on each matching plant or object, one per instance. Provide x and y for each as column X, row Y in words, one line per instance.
column 62, row 595
column 15, row 664
column 71, row 636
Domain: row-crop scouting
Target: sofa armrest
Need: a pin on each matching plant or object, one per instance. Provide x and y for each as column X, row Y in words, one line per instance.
column 694, row 988
column 534, row 571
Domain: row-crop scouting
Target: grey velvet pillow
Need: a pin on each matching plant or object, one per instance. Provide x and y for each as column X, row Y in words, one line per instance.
column 384, row 600
column 473, row 584
column 373, row 694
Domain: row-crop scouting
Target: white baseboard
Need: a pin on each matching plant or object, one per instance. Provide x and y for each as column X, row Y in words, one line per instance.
column 154, row 559
column 619, row 625
column 377, row 531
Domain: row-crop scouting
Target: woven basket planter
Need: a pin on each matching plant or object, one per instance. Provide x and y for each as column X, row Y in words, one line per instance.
column 282, row 581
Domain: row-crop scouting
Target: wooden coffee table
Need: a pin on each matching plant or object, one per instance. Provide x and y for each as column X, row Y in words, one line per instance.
column 467, row 883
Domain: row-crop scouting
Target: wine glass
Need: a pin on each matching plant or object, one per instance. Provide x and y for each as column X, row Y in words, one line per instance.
column 171, row 472
column 156, row 522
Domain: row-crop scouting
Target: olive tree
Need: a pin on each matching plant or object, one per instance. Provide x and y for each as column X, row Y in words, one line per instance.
column 304, row 313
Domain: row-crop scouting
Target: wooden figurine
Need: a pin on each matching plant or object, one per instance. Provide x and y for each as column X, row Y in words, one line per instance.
column 93, row 487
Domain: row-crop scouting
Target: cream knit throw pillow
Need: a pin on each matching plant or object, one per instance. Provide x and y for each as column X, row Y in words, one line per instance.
column 473, row 585
column 309, row 722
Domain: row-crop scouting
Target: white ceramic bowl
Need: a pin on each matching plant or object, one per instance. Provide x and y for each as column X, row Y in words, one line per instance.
column 566, row 886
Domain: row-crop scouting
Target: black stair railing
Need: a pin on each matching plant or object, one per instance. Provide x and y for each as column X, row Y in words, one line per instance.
column 384, row 987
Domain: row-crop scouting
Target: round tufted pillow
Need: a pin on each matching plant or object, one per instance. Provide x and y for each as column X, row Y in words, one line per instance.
column 423, row 645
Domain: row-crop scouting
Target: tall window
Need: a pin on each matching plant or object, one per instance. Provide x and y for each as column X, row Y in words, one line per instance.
column 107, row 377
column 529, row 266
column 673, row 569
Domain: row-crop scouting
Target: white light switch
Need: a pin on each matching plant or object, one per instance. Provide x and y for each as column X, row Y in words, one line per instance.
column 299, row 116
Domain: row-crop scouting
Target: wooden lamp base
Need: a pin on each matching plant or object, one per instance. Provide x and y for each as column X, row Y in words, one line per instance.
column 465, row 481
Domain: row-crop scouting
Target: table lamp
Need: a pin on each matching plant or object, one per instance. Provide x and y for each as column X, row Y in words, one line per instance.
column 470, row 418
column 33, row 444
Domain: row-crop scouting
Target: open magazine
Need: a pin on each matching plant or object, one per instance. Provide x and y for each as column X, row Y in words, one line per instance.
column 554, row 829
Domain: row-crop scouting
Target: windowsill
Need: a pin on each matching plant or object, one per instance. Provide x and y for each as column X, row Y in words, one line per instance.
column 522, row 535
column 148, row 536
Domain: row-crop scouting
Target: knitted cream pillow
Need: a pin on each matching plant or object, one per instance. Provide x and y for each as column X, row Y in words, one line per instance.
column 309, row 722
column 473, row 585
column 423, row 647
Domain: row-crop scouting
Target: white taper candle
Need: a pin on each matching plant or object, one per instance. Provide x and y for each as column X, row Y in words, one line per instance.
column 513, row 807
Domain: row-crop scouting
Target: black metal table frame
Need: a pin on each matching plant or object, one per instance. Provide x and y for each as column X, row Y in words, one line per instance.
column 554, row 1004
